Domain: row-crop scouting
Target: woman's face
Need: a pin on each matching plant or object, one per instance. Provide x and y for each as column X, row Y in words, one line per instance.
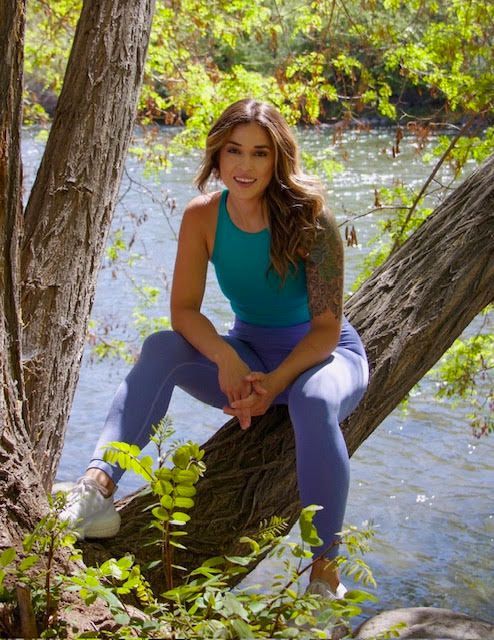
column 246, row 161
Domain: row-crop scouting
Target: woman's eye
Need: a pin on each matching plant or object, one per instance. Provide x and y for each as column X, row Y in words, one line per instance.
column 232, row 150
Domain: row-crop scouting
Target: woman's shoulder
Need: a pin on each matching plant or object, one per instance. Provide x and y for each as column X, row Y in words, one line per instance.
column 200, row 218
column 204, row 205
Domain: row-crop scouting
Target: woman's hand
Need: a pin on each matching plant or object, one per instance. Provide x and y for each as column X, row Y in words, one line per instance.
column 233, row 376
column 264, row 391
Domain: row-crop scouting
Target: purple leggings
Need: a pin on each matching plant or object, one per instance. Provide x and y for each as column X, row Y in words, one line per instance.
column 317, row 401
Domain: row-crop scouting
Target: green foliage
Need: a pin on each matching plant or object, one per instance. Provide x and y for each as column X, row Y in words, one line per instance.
column 395, row 224
column 314, row 60
column 203, row 605
column 466, row 371
column 144, row 322
column 451, row 55
column 34, row 567
column 50, row 28
column 477, row 148
column 173, row 487
column 111, row 583
column 204, row 609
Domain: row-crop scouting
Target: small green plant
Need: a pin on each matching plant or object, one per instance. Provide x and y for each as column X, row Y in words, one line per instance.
column 33, row 569
column 112, row 582
column 173, row 487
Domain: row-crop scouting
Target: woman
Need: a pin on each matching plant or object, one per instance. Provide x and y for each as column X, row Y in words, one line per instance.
column 278, row 257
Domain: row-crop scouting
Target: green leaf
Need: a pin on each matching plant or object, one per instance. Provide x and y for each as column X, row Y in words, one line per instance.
column 185, row 476
column 160, row 514
column 7, row 556
column 357, row 595
column 162, row 487
column 185, row 491
column 241, row 628
column 233, row 607
column 181, row 457
column 167, row 502
column 243, row 561
column 147, row 462
column 28, row 562
column 179, row 518
column 184, row 503
column 177, row 544
column 214, row 561
column 307, row 529
column 121, row 618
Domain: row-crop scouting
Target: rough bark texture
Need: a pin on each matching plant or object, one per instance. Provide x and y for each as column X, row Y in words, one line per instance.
column 17, row 480
column 70, row 208
column 409, row 312
column 11, row 33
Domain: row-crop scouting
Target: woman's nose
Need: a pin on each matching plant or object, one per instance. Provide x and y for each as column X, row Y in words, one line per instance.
column 246, row 162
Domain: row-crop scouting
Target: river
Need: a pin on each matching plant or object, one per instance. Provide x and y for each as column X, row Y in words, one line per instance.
column 422, row 478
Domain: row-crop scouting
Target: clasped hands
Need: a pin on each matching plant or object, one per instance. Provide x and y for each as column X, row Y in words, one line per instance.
column 255, row 402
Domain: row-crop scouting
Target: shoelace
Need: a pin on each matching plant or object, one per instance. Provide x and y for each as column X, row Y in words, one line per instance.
column 83, row 487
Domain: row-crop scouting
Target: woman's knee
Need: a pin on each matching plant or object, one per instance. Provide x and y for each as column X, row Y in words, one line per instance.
column 165, row 345
column 337, row 385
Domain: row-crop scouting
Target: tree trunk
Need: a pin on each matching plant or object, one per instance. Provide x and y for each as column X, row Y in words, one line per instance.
column 18, row 481
column 408, row 313
column 70, row 209
column 67, row 218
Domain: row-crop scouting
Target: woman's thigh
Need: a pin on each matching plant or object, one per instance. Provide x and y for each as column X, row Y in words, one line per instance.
column 339, row 382
column 199, row 377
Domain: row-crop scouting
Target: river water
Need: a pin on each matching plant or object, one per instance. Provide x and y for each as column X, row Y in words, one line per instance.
column 422, row 478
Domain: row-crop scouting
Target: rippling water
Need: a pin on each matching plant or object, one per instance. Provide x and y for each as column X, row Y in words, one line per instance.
column 422, row 478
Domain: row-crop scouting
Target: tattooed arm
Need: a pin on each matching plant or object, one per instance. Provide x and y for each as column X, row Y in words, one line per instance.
column 324, row 271
column 324, row 268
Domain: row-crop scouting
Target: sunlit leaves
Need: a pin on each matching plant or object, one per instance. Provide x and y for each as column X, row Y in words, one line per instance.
column 351, row 55
column 203, row 605
column 307, row 529
column 453, row 56
column 467, row 371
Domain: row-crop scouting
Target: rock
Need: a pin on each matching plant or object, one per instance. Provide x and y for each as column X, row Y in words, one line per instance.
column 427, row 623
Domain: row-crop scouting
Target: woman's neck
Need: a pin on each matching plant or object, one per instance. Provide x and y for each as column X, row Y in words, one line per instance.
column 248, row 214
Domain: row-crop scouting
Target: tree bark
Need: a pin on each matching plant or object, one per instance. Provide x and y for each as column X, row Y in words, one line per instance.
column 18, row 481
column 408, row 313
column 70, row 209
column 11, row 39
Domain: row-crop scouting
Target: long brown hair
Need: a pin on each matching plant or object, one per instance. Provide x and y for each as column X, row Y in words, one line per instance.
column 295, row 200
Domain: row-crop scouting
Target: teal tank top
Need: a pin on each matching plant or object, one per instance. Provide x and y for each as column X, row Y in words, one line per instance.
column 241, row 261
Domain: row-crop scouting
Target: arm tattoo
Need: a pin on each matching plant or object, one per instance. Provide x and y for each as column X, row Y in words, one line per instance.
column 324, row 270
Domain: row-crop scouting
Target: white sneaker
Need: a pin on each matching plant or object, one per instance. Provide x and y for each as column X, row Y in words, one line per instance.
column 89, row 513
column 338, row 629
column 322, row 588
